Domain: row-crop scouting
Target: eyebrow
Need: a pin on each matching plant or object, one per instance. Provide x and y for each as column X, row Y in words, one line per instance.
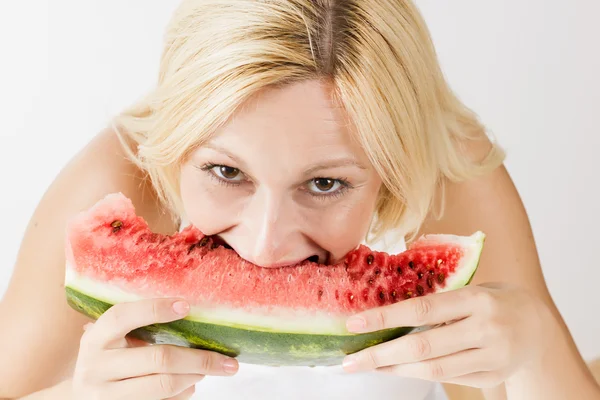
column 227, row 153
column 330, row 164
column 334, row 163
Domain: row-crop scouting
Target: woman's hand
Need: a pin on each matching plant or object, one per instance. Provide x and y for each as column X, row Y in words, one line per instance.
column 109, row 367
column 487, row 333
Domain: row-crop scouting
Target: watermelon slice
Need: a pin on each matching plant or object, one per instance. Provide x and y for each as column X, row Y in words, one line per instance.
column 293, row 315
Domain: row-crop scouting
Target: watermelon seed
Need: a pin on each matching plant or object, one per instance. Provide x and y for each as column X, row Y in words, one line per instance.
column 411, row 265
column 393, row 294
column 203, row 242
column 116, row 225
column 214, row 245
column 441, row 277
column 320, row 294
column 377, row 271
column 370, row 259
column 420, row 275
column 420, row 290
column 431, row 272
column 430, row 282
column 408, row 295
column 399, row 270
column 370, row 281
column 381, row 295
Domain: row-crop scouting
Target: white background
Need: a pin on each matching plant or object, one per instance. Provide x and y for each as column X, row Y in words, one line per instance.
column 529, row 68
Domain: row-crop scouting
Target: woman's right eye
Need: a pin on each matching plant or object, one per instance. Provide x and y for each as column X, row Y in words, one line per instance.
column 227, row 173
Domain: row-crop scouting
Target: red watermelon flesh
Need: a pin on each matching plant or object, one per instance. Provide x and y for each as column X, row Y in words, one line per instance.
column 112, row 255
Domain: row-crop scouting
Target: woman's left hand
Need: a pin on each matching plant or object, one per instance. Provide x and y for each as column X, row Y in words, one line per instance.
column 488, row 332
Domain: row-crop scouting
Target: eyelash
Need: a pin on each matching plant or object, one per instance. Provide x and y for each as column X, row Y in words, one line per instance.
column 344, row 184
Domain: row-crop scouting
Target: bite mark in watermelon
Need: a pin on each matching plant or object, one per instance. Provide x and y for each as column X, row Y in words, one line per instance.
column 292, row 315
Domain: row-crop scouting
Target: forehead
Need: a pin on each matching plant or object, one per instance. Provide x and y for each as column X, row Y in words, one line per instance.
column 294, row 124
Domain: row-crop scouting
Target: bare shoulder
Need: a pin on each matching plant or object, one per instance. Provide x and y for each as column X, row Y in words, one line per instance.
column 40, row 344
column 492, row 204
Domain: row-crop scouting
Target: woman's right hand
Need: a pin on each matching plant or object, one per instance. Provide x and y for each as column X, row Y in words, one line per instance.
column 109, row 367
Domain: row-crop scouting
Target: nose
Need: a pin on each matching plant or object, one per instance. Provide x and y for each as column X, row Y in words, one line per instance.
column 270, row 231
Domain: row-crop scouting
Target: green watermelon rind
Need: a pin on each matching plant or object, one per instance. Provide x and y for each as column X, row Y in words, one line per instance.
column 248, row 345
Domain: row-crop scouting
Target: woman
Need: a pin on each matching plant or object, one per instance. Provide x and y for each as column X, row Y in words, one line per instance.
column 294, row 129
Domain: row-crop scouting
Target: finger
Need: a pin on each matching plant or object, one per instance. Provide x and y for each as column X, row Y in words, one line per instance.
column 434, row 343
column 122, row 318
column 153, row 387
column 185, row 395
column 480, row 380
column 444, row 368
column 417, row 311
column 166, row 359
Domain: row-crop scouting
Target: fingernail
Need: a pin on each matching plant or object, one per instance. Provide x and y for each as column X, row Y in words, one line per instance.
column 356, row 324
column 181, row 307
column 349, row 364
column 230, row 366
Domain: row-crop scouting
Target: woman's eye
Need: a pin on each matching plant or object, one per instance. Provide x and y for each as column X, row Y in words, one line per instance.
column 227, row 173
column 324, row 185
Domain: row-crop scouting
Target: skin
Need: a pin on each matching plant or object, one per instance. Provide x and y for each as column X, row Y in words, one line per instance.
column 271, row 217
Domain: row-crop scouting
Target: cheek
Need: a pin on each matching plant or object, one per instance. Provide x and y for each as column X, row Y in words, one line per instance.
column 204, row 204
column 344, row 226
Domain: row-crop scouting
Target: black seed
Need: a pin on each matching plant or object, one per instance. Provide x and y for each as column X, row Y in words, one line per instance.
column 116, row 225
column 370, row 259
column 377, row 271
column 411, row 265
column 192, row 247
column 203, row 242
column 393, row 294
column 320, row 294
column 420, row 290
column 408, row 295
column 382, row 295
column 430, row 282
column 420, row 275
column 399, row 270
column 441, row 277
column 431, row 272
column 214, row 245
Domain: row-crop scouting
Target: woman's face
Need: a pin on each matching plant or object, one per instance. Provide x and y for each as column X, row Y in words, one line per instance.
column 283, row 180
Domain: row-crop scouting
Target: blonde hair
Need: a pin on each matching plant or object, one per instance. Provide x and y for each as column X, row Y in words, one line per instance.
column 377, row 54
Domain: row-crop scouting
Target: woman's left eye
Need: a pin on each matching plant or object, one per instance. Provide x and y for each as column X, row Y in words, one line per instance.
column 324, row 185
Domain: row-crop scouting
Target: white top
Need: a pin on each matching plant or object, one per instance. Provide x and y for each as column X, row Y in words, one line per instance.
column 257, row 382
